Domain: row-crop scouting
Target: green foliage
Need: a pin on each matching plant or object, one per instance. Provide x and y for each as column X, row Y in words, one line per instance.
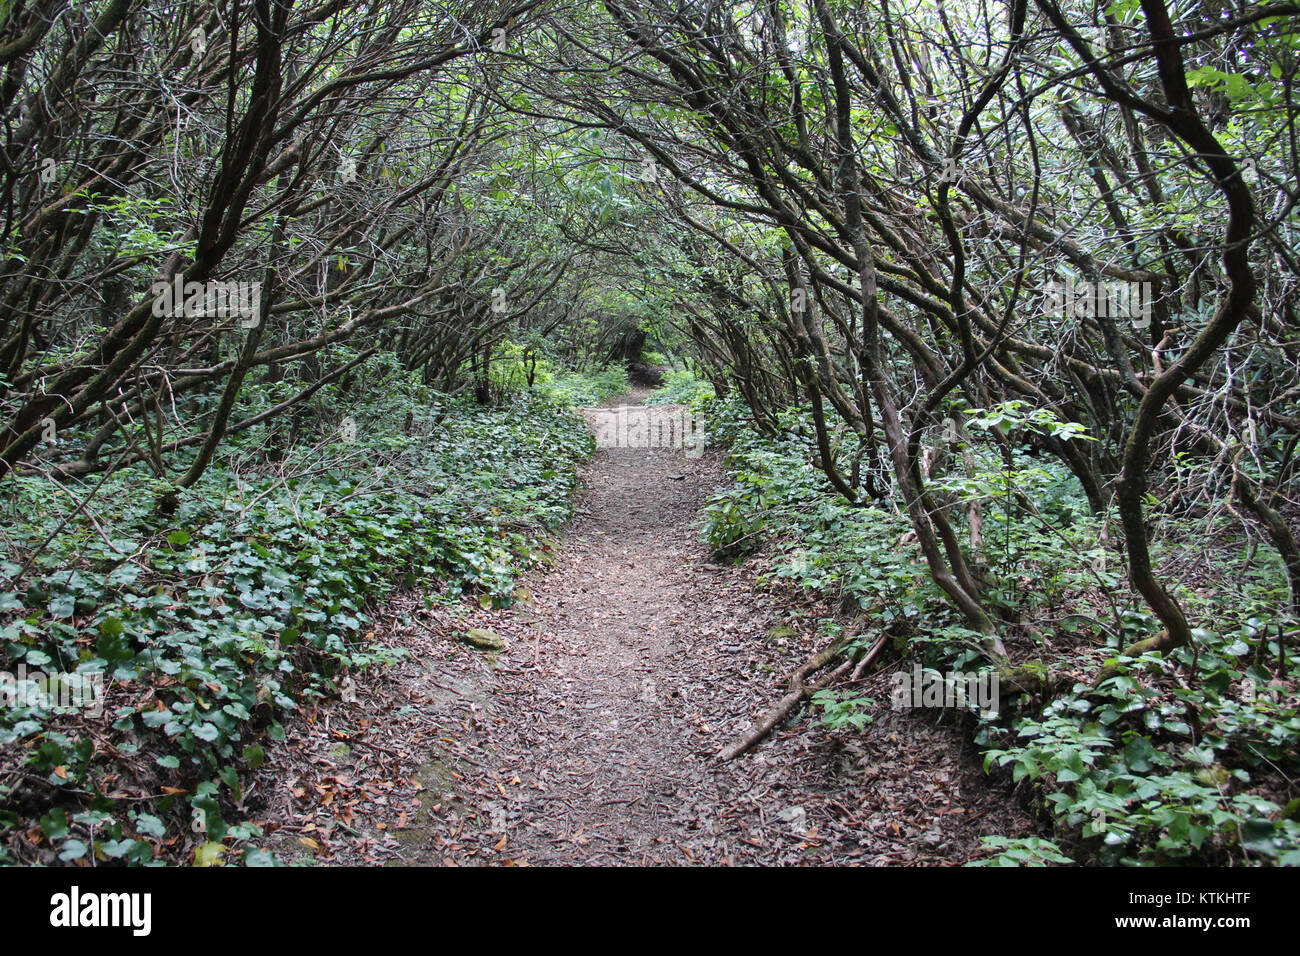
column 212, row 624
column 1020, row 851
column 587, row 388
column 1141, row 769
column 841, row 710
column 512, row 364
column 1144, row 772
column 681, row 387
column 820, row 541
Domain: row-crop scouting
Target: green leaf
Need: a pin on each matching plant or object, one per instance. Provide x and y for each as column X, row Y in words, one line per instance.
column 55, row 824
column 63, row 606
column 150, row 825
column 73, row 850
column 207, row 731
column 209, row 854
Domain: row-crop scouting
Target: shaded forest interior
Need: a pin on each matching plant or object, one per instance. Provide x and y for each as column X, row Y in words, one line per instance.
column 988, row 310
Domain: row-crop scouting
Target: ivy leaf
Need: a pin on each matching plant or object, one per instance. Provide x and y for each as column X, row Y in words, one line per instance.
column 73, row 850
column 209, row 854
column 150, row 825
column 63, row 606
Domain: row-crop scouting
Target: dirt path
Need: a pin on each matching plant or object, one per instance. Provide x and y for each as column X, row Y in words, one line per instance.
column 591, row 738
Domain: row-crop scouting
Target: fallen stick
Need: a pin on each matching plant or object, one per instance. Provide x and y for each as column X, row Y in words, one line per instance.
column 868, row 657
column 798, row 691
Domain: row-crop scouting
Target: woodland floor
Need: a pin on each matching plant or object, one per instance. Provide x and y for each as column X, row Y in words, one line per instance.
column 591, row 738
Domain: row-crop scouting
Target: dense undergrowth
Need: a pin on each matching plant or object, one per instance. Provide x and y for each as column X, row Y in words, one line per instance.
column 1185, row 759
column 579, row 387
column 681, row 387
column 213, row 622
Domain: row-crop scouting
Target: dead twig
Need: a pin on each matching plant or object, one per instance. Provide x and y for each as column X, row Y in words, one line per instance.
column 798, row 691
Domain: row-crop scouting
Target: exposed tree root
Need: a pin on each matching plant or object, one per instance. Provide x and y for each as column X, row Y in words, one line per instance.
column 798, row 691
column 1161, row 642
column 865, row 661
column 1025, row 679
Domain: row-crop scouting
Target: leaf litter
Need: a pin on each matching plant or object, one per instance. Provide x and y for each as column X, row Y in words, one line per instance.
column 591, row 738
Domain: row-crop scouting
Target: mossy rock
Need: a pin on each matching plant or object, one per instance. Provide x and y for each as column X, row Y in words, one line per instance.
column 484, row 639
column 1032, row 677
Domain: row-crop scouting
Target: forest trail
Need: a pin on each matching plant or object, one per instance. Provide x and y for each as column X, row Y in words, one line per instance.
column 591, row 738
